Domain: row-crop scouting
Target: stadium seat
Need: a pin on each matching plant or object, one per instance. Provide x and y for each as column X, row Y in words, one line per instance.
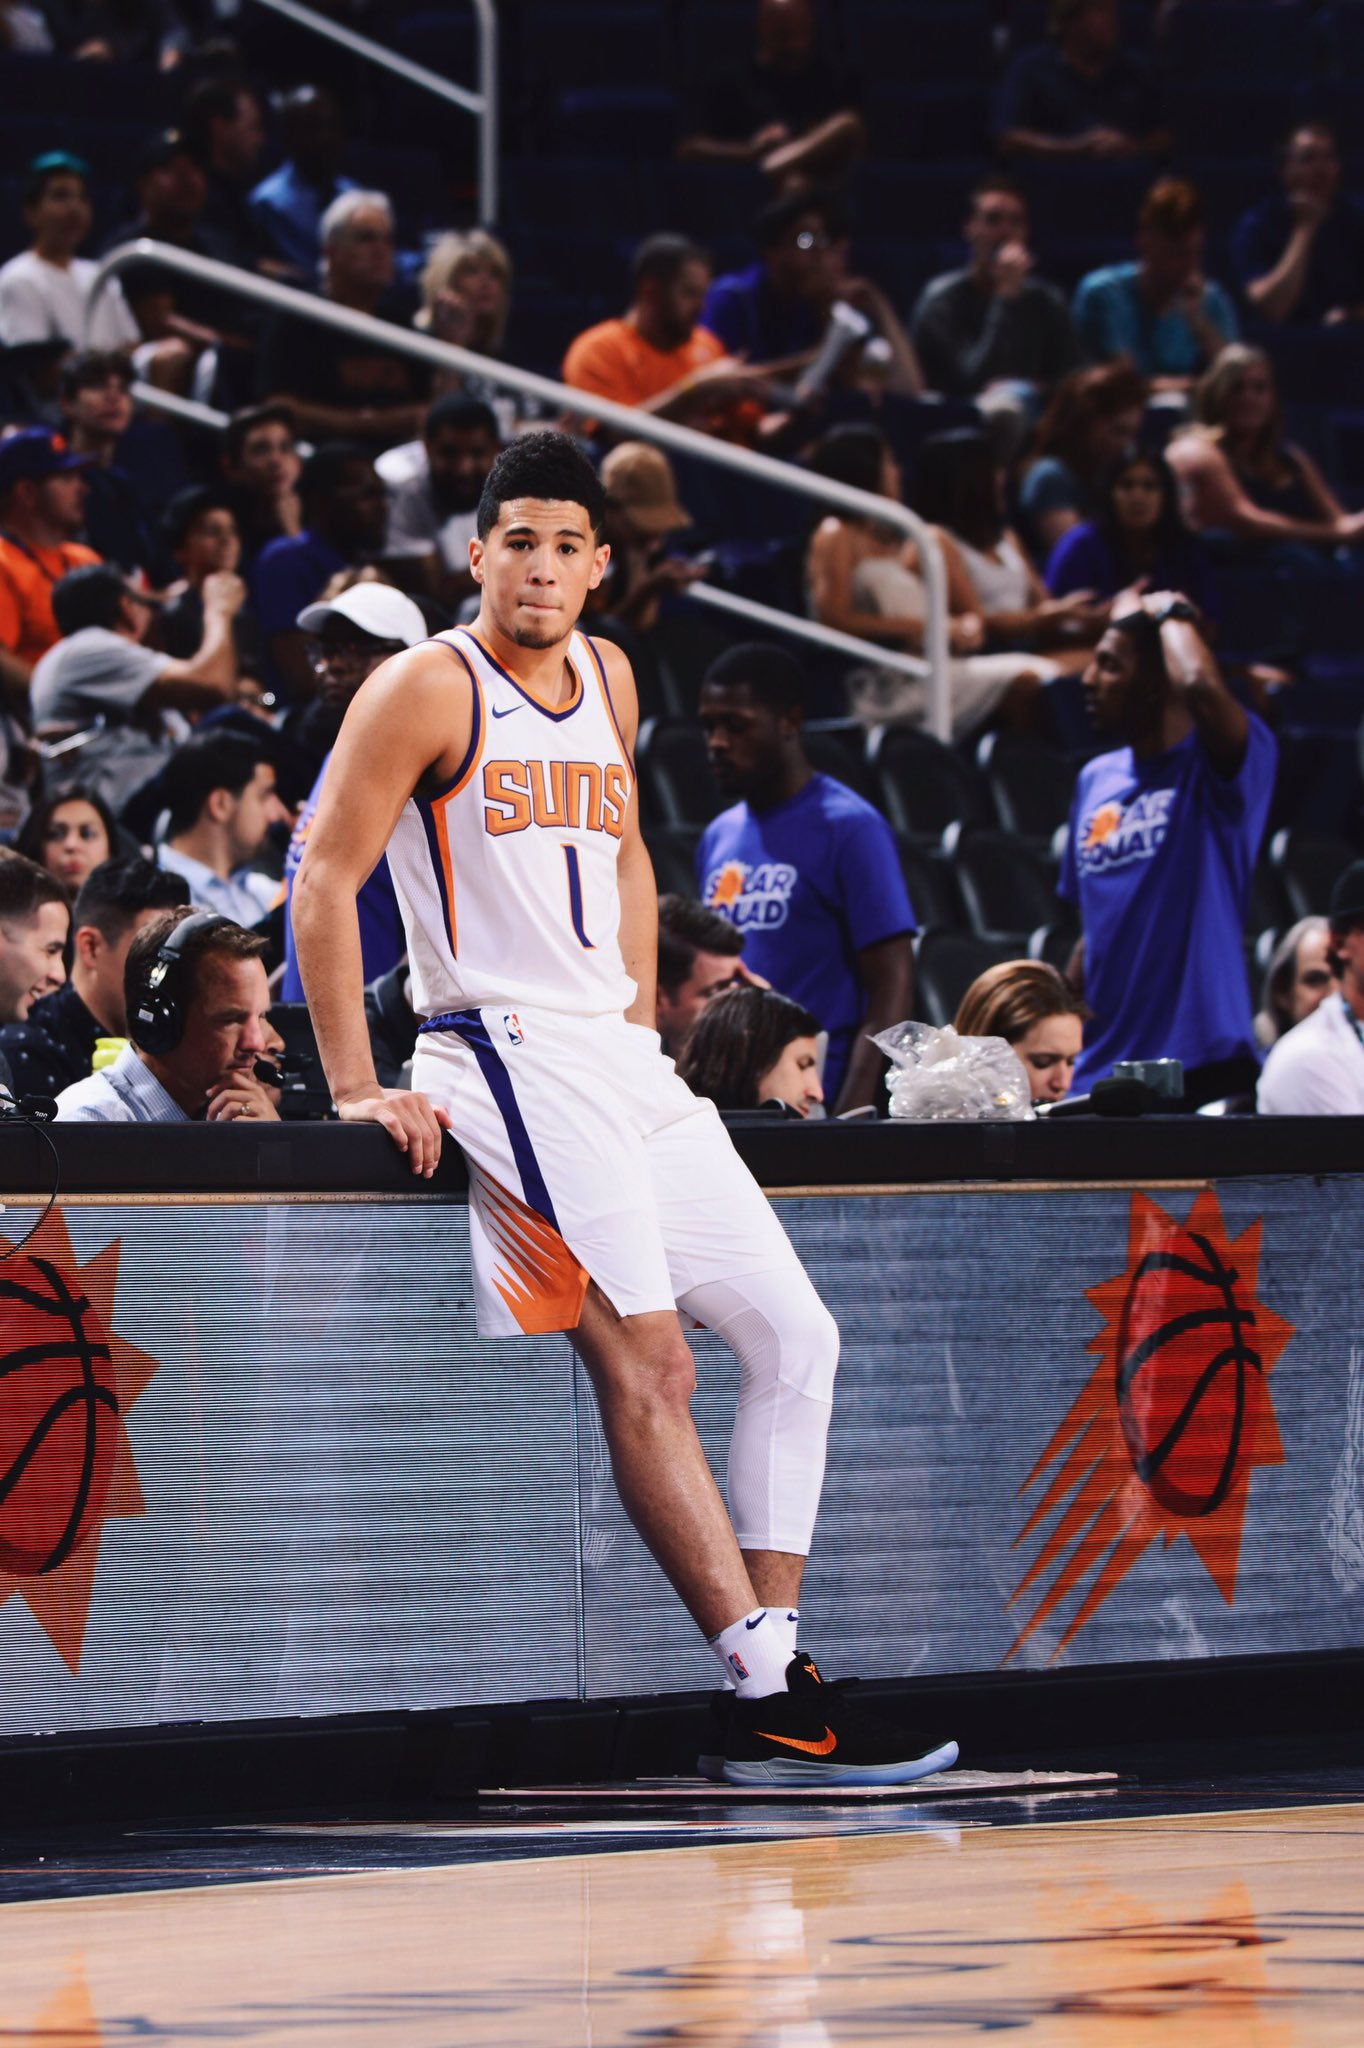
column 1308, row 868
column 924, row 786
column 932, row 886
column 1227, row 38
column 945, row 965
column 948, row 41
column 1270, row 911
column 674, row 772
column 927, row 121
column 566, row 45
column 672, row 849
column 1007, row 890
column 830, row 755
column 1031, row 785
column 641, row 120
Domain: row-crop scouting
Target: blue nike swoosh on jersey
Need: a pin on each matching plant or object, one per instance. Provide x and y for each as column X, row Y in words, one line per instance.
column 754, row 1624
column 508, row 710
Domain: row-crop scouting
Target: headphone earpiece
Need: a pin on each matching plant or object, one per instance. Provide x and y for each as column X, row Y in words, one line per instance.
column 156, row 1021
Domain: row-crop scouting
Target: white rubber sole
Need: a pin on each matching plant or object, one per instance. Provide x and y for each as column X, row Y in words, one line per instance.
column 795, row 1772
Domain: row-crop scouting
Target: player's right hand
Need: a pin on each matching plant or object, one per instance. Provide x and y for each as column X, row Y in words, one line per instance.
column 414, row 1123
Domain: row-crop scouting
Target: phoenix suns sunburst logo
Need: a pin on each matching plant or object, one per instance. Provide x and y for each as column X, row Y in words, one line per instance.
column 1171, row 1425
column 67, row 1381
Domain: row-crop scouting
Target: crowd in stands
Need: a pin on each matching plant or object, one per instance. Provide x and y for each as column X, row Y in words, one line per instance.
column 1088, row 329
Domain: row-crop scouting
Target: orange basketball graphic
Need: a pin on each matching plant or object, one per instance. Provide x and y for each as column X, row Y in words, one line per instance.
column 58, row 1416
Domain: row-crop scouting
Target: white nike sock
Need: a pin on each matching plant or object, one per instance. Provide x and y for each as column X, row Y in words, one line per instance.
column 786, row 1621
column 753, row 1654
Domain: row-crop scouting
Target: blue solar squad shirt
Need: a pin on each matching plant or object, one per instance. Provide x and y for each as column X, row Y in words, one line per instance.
column 1159, row 858
column 809, row 884
column 382, row 939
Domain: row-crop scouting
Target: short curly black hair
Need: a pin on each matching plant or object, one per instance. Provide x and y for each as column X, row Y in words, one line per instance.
column 546, row 465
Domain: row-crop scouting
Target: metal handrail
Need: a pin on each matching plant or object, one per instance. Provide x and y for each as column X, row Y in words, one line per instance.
column 631, row 420
column 482, row 104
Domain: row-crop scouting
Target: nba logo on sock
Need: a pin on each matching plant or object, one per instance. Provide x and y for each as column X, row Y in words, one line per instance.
column 515, row 1035
column 739, row 1667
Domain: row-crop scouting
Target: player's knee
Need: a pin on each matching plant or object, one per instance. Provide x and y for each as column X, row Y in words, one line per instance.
column 674, row 1374
column 808, row 1346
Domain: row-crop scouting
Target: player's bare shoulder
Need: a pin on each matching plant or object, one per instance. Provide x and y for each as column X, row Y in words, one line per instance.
column 417, row 705
column 620, row 684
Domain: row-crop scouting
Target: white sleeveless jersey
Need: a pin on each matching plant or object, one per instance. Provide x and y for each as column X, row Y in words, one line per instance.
column 506, row 879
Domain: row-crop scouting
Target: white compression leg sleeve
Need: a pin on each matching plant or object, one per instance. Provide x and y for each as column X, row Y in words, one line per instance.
column 786, row 1343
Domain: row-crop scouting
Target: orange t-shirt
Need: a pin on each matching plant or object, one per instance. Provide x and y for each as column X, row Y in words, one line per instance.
column 615, row 362
column 27, row 627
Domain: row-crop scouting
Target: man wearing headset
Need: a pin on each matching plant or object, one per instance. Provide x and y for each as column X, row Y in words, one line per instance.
column 197, row 1005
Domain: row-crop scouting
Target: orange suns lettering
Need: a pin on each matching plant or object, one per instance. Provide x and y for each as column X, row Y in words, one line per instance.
column 574, row 796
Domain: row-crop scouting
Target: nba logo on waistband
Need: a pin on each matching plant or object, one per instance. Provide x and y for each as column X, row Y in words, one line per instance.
column 515, row 1035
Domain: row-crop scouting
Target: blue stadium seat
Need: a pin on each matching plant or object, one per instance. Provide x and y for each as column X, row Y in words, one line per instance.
column 1226, row 38
column 1215, row 116
column 672, row 849
column 924, row 786
column 945, row 965
column 927, row 121
column 675, row 776
column 949, row 41
column 1030, row 783
column 565, row 45
column 638, row 120
column 1102, row 201
column 1307, row 866
column 1006, row 887
column 919, row 202
column 933, row 894
column 598, row 193
column 445, row 41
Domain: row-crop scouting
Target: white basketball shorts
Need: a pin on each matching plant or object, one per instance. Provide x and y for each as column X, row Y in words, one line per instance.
column 589, row 1160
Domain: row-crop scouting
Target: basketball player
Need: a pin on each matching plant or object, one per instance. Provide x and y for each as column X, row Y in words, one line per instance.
column 495, row 765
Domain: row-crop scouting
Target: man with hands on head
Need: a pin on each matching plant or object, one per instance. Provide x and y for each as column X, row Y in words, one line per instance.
column 197, row 1006
column 1160, row 853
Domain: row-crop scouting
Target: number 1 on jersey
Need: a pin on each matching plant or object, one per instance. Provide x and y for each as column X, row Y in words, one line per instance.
column 575, row 897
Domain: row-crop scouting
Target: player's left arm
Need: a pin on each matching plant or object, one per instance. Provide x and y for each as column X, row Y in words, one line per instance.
column 635, row 870
column 1197, row 683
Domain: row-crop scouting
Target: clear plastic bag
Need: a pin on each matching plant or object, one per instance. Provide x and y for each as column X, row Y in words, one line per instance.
column 939, row 1077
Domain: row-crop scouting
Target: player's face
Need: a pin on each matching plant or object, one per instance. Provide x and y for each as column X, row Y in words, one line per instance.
column 536, row 567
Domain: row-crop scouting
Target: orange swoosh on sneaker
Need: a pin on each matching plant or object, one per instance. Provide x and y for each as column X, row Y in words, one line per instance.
column 825, row 1748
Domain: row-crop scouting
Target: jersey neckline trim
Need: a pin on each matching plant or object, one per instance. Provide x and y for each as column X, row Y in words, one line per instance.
column 548, row 711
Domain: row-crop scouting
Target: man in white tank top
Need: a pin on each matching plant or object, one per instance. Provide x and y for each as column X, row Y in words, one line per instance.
column 496, row 766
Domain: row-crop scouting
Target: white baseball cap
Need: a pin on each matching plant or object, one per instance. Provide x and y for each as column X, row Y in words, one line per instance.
column 375, row 608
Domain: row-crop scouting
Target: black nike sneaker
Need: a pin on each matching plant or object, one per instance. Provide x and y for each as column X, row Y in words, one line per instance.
column 711, row 1761
column 815, row 1734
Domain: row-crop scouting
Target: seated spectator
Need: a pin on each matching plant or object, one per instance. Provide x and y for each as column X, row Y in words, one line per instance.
column 799, row 310
column 43, row 489
column 186, row 319
column 345, row 513
column 1033, row 1008
column 69, row 833
column 1243, row 481
column 1163, row 838
column 348, row 636
column 1080, row 95
column 1136, row 538
column 262, row 466
column 466, row 299
column 1317, row 1067
column 288, row 206
column 1299, row 978
column 433, row 516
column 200, row 536
column 57, row 1044
column 754, row 1049
column 1161, row 314
column 698, row 958
column 657, row 356
column 338, row 384
column 1093, row 419
column 791, row 106
column 867, row 579
column 224, row 125
column 100, row 672
column 642, row 510
column 1300, row 255
column 995, row 332
column 97, row 401
column 220, row 790
column 777, row 307
column 959, row 487
column 805, row 869
column 43, row 292
column 203, row 1066
column 35, row 917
